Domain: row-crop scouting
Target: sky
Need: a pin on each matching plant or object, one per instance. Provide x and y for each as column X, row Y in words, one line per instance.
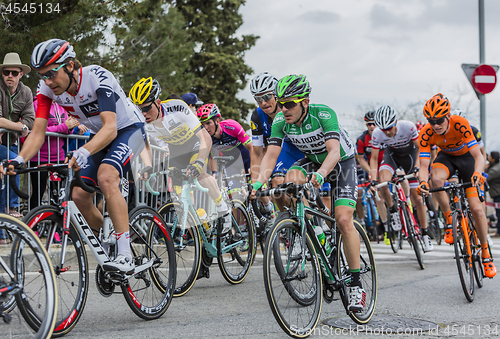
column 361, row 54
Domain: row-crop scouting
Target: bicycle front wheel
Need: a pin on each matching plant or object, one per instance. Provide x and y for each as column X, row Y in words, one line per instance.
column 368, row 274
column 462, row 257
column 477, row 264
column 433, row 217
column 413, row 237
column 187, row 245
column 149, row 292
column 72, row 276
column 34, row 275
column 236, row 248
column 291, row 277
column 395, row 237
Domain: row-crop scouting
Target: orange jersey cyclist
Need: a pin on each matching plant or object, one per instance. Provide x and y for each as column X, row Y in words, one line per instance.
column 459, row 151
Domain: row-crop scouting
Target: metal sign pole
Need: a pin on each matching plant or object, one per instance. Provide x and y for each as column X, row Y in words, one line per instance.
column 482, row 97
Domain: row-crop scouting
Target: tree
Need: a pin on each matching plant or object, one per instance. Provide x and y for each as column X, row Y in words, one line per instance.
column 24, row 24
column 217, row 63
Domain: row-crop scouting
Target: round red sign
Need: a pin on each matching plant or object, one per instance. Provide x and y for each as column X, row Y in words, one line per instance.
column 484, row 79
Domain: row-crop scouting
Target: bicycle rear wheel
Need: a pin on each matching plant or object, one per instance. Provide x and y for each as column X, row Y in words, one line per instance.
column 236, row 248
column 187, row 251
column 462, row 257
column 72, row 278
column 368, row 275
column 477, row 264
column 149, row 293
column 35, row 277
column 413, row 237
column 293, row 286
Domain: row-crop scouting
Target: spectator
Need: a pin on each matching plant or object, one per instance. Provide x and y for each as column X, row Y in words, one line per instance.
column 494, row 181
column 16, row 114
column 58, row 122
column 192, row 101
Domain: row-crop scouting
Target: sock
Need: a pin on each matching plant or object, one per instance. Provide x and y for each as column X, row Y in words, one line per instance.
column 222, row 208
column 386, row 228
column 485, row 253
column 218, row 200
column 425, row 231
column 269, row 206
column 123, row 243
column 393, row 209
column 449, row 218
column 355, row 281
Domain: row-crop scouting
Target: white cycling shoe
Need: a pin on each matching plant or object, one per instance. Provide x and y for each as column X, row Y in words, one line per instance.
column 120, row 264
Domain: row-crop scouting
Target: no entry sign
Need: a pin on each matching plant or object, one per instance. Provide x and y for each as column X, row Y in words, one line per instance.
column 483, row 78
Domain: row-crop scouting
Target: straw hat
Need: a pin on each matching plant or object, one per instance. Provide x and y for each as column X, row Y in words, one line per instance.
column 13, row 60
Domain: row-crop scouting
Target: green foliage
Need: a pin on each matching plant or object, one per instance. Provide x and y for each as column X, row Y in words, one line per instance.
column 217, row 63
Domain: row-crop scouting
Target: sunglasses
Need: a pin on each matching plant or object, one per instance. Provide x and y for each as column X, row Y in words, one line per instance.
column 289, row 104
column 6, row 72
column 147, row 108
column 371, row 124
column 265, row 97
column 387, row 129
column 50, row 74
column 436, row 122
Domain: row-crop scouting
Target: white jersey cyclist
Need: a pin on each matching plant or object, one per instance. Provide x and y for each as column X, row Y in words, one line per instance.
column 401, row 143
column 98, row 91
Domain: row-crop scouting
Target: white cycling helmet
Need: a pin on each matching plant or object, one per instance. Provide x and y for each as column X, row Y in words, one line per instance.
column 264, row 82
column 459, row 112
column 385, row 117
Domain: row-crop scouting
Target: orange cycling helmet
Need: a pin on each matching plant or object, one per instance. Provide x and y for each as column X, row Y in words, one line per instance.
column 437, row 107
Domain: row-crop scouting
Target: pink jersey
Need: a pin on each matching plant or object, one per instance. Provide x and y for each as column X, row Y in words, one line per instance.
column 232, row 136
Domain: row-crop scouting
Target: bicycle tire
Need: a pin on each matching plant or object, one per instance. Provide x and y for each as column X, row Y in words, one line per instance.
column 464, row 264
column 150, row 301
column 73, row 278
column 477, row 264
column 187, row 256
column 295, row 319
column 413, row 237
column 368, row 275
column 37, row 279
column 235, row 249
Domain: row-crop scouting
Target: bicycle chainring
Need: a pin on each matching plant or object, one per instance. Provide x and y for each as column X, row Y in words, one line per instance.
column 105, row 286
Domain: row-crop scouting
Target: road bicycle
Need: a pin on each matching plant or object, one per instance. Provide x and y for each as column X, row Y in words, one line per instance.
column 299, row 271
column 148, row 290
column 410, row 229
column 435, row 219
column 465, row 241
column 370, row 210
column 197, row 242
column 26, row 275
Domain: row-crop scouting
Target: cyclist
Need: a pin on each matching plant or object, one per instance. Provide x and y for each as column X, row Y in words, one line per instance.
column 262, row 88
column 401, row 140
column 314, row 129
column 363, row 156
column 228, row 138
column 174, row 123
column 92, row 95
column 459, row 152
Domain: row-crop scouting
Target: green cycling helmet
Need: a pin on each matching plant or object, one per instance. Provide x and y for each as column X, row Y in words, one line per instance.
column 292, row 86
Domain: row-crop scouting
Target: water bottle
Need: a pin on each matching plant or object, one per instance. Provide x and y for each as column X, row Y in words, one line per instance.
column 202, row 214
column 318, row 230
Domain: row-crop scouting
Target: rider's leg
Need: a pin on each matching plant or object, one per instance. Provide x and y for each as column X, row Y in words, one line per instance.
column 385, row 194
column 280, row 202
column 359, row 206
column 439, row 175
column 418, row 203
column 350, row 237
column 85, row 203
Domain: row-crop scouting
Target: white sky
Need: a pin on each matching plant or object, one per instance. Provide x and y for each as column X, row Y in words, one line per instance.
column 361, row 52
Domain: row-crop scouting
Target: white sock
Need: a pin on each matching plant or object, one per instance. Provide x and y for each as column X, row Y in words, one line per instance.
column 269, row 206
column 222, row 208
column 123, row 243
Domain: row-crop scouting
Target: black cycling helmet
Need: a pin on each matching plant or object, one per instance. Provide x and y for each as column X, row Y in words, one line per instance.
column 370, row 116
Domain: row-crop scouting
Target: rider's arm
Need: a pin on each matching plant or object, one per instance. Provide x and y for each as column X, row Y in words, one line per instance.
column 333, row 157
column 423, row 173
column 417, row 161
column 483, row 152
column 374, row 163
column 146, row 155
column 105, row 135
column 268, row 163
column 205, row 144
column 362, row 162
column 478, row 159
column 256, row 160
column 211, row 161
column 34, row 140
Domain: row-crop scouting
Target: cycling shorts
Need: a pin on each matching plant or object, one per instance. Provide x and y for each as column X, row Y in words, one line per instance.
column 392, row 161
column 288, row 156
column 463, row 164
column 120, row 153
column 343, row 179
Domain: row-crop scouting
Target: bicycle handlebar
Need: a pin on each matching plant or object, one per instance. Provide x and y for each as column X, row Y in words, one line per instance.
column 396, row 179
column 152, row 191
column 459, row 185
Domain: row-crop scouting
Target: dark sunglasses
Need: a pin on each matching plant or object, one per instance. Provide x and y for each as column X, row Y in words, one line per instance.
column 387, row 129
column 436, row 122
column 289, row 104
column 147, row 108
column 50, row 74
column 371, row 124
column 265, row 97
column 6, row 72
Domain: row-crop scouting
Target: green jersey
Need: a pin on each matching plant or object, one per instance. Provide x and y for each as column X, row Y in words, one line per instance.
column 320, row 125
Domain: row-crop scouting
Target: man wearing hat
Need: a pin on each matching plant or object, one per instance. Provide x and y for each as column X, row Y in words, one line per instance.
column 192, row 100
column 494, row 181
column 16, row 114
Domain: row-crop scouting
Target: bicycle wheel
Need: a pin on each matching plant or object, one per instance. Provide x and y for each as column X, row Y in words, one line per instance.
column 477, row 264
column 433, row 217
column 462, row 257
column 395, row 237
column 187, row 253
column 149, row 293
column 72, row 278
column 32, row 279
column 286, row 274
column 236, row 247
column 368, row 274
column 413, row 237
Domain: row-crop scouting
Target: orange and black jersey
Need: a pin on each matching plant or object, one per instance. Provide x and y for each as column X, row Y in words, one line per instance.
column 458, row 140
